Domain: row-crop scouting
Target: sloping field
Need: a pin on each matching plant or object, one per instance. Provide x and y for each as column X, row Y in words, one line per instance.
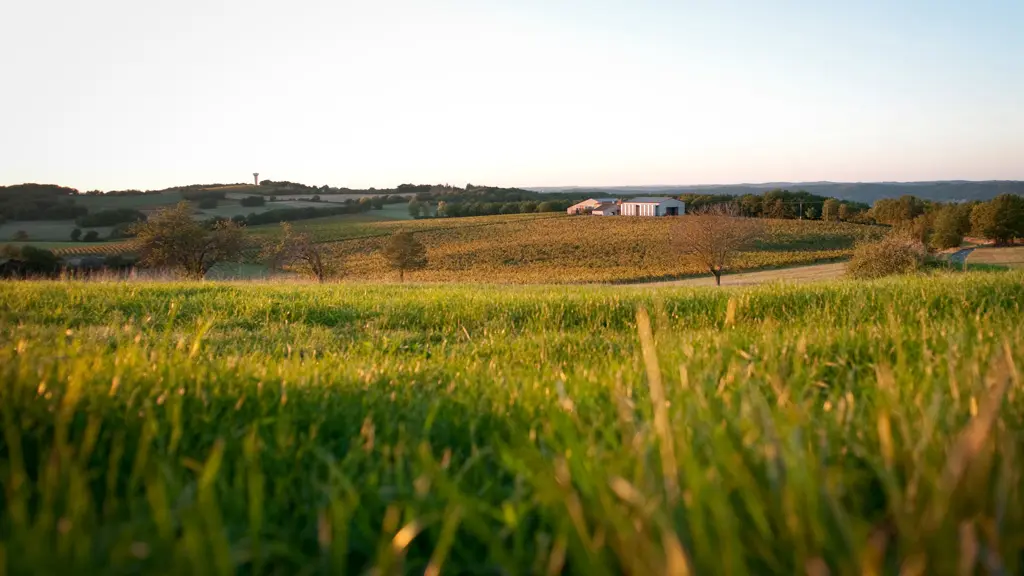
column 1010, row 256
column 838, row 428
column 562, row 249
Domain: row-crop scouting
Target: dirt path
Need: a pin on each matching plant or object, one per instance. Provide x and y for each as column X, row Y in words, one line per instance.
column 799, row 274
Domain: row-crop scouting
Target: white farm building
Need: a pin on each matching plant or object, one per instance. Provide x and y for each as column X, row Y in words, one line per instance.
column 653, row 207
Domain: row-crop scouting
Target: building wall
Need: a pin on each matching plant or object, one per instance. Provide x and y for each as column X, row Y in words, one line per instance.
column 582, row 206
column 643, row 209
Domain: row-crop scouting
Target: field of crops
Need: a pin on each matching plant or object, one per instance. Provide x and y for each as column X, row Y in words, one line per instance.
column 844, row 428
column 546, row 248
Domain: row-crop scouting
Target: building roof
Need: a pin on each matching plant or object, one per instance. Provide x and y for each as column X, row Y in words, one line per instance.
column 605, row 206
column 650, row 200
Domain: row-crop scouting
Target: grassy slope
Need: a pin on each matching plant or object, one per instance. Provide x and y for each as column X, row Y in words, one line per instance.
column 192, row 428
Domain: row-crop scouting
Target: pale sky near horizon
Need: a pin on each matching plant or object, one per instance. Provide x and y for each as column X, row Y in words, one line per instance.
column 113, row 94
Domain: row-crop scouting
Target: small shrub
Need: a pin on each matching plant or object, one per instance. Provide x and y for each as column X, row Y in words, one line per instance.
column 253, row 201
column 207, row 203
column 894, row 254
column 76, row 234
column 21, row 235
column 91, row 236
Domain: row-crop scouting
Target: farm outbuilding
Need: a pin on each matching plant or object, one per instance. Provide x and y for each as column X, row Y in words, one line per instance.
column 607, row 209
column 653, row 207
column 588, row 205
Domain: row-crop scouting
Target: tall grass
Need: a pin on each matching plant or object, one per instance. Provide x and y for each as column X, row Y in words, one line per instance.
column 195, row 428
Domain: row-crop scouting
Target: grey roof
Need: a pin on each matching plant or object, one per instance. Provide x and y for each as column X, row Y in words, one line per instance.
column 605, row 206
column 649, row 199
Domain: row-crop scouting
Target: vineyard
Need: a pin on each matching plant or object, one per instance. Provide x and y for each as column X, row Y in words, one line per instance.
column 561, row 249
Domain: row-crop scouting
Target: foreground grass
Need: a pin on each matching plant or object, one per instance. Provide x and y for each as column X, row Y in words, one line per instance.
column 191, row 428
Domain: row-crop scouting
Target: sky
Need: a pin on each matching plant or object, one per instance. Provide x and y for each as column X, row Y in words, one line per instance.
column 116, row 94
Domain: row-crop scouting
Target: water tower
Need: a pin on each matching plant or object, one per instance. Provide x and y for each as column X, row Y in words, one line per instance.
column 256, row 178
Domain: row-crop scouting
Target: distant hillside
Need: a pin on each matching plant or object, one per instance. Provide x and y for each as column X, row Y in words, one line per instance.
column 867, row 192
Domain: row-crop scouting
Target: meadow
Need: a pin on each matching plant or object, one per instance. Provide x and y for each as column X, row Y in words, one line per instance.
column 218, row 428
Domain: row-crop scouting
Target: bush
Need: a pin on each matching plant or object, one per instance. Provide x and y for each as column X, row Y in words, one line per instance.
column 91, row 236
column 76, row 234
column 253, row 201
column 207, row 203
column 21, row 235
column 894, row 254
column 110, row 218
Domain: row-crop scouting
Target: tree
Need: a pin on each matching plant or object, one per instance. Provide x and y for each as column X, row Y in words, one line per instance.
column 415, row 208
column 299, row 251
column 442, row 209
column 845, row 212
column 404, row 252
column 811, row 213
column 947, row 228
column 1000, row 219
column 172, row 239
column 21, row 235
column 830, row 210
column 76, row 234
column 91, row 236
column 714, row 235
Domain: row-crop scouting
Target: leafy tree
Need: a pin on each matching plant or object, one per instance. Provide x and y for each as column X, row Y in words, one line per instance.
column 947, row 229
column 830, row 210
column 811, row 213
column 300, row 252
column 415, row 208
column 404, row 252
column 21, row 235
column 846, row 212
column 253, row 201
column 76, row 234
column 1000, row 219
column 172, row 239
column 442, row 209
column 91, row 236
column 900, row 210
column 207, row 203
column 714, row 236
column 546, row 207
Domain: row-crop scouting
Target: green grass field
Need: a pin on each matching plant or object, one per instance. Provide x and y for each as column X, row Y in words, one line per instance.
column 842, row 428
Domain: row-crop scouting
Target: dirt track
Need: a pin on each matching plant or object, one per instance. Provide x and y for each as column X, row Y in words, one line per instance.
column 799, row 274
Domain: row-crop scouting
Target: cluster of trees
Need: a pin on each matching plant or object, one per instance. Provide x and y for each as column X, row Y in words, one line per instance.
column 944, row 225
column 781, row 204
column 90, row 236
column 39, row 202
column 250, row 201
column 110, row 218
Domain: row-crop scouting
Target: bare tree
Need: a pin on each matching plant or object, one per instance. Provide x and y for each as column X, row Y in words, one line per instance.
column 172, row 238
column 298, row 251
column 714, row 235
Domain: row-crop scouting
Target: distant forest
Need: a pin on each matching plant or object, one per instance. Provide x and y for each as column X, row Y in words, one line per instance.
column 866, row 193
